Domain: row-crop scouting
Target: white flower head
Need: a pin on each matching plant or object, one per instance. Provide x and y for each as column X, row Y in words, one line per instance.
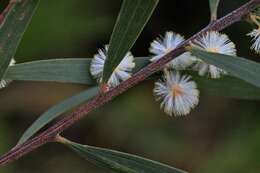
column 214, row 42
column 122, row 72
column 178, row 93
column 256, row 38
column 5, row 82
column 171, row 40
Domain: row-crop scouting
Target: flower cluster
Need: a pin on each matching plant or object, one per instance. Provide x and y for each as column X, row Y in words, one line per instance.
column 177, row 92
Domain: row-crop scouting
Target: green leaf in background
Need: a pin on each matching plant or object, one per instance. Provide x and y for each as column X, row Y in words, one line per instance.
column 57, row 110
column 214, row 8
column 76, row 71
column 239, row 67
column 133, row 16
column 12, row 29
column 118, row 161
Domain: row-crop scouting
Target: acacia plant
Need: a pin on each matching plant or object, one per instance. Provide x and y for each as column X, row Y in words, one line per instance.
column 181, row 67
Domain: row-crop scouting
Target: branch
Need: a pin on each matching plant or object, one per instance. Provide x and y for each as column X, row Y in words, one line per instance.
column 50, row 134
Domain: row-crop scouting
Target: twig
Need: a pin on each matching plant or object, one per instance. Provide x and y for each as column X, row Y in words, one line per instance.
column 50, row 134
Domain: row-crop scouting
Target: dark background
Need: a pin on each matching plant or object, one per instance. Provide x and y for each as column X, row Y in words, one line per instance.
column 220, row 135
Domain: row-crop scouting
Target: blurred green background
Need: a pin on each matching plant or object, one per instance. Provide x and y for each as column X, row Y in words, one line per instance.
column 220, row 135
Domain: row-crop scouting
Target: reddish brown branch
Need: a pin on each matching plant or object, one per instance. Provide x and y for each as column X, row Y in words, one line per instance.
column 50, row 134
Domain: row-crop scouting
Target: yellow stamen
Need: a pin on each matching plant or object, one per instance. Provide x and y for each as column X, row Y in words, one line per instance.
column 212, row 49
column 177, row 90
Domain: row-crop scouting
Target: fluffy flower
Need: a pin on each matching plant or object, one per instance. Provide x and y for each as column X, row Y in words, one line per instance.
column 256, row 38
column 121, row 72
column 214, row 42
column 161, row 46
column 178, row 93
column 5, row 82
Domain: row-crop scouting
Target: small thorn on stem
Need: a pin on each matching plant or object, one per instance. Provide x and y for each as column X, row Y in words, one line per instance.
column 104, row 88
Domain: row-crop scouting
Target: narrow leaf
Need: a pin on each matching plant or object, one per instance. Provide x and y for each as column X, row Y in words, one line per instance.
column 239, row 67
column 74, row 70
column 214, row 8
column 57, row 110
column 19, row 14
column 133, row 16
column 77, row 71
column 120, row 162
